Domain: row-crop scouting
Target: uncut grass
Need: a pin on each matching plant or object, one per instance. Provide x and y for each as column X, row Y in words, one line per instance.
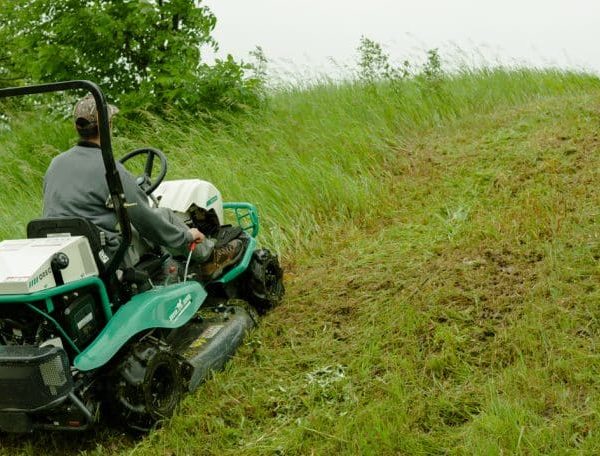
column 308, row 154
column 459, row 308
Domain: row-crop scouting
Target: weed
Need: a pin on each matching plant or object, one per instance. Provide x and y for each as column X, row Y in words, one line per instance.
column 432, row 70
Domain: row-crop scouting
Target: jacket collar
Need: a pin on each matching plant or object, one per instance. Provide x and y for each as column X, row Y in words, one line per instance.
column 84, row 143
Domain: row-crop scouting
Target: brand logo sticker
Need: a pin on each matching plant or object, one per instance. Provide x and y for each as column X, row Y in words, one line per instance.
column 212, row 200
column 42, row 275
column 182, row 304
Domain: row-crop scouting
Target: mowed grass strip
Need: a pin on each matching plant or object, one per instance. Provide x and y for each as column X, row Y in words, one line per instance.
column 464, row 322
column 457, row 317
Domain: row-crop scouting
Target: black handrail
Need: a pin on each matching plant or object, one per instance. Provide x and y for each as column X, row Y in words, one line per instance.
column 113, row 180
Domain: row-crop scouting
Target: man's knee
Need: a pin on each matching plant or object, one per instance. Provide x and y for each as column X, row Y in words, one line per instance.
column 203, row 250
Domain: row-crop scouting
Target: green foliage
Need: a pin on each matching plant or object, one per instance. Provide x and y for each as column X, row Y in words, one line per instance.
column 374, row 63
column 260, row 63
column 6, row 75
column 144, row 53
column 432, row 70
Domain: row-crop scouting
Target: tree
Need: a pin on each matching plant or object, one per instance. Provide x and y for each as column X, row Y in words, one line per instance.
column 143, row 52
column 6, row 74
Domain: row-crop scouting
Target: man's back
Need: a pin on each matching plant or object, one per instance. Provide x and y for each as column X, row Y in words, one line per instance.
column 75, row 185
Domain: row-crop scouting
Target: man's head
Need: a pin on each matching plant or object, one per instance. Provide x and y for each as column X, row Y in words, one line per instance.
column 85, row 116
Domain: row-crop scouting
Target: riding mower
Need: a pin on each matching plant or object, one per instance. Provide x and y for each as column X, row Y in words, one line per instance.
column 84, row 340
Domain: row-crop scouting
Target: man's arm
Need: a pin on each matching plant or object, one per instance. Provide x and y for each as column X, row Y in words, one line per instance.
column 149, row 222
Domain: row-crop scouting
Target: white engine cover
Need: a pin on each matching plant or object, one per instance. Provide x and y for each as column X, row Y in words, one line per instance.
column 25, row 263
column 179, row 195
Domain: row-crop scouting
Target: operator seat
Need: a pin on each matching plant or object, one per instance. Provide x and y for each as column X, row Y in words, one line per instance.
column 79, row 226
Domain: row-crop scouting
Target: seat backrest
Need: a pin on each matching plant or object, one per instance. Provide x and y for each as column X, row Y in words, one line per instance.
column 73, row 226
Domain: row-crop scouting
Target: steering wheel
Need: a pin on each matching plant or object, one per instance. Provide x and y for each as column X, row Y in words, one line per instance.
column 145, row 181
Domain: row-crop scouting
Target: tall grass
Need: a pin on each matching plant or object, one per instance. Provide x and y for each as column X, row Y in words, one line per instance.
column 311, row 156
column 440, row 241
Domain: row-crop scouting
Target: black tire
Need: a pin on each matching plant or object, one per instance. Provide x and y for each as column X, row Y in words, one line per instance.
column 265, row 287
column 146, row 387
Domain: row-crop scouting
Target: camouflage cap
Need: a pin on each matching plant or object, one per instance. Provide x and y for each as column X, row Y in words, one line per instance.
column 86, row 109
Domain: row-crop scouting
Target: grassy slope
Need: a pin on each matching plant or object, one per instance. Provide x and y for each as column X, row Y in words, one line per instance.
column 442, row 285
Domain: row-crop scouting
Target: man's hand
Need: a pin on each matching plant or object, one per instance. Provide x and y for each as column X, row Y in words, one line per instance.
column 197, row 235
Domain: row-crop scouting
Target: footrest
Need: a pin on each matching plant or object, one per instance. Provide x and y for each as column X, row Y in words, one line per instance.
column 227, row 234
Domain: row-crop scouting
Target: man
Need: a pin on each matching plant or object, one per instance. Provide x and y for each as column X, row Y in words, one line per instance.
column 75, row 185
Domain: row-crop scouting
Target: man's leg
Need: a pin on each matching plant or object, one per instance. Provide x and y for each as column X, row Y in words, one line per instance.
column 222, row 257
column 202, row 252
column 212, row 260
column 135, row 250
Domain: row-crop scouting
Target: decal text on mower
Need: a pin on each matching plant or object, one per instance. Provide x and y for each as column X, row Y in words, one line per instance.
column 182, row 304
column 211, row 331
column 40, row 277
column 212, row 200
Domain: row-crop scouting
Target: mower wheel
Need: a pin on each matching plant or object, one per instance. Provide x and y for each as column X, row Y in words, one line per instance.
column 148, row 386
column 265, row 281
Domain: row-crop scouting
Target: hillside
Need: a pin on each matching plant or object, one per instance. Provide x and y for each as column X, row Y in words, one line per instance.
column 441, row 244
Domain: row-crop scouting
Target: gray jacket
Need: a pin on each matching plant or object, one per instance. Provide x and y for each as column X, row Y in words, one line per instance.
column 75, row 185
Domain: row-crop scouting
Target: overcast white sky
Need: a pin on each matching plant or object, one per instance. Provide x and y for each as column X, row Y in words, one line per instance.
column 302, row 35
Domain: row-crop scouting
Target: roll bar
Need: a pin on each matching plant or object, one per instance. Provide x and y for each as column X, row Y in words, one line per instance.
column 113, row 179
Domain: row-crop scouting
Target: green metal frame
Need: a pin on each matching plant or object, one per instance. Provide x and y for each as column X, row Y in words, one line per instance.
column 46, row 296
column 246, row 216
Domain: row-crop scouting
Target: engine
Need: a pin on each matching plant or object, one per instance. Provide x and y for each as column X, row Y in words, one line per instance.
column 78, row 314
column 38, row 342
